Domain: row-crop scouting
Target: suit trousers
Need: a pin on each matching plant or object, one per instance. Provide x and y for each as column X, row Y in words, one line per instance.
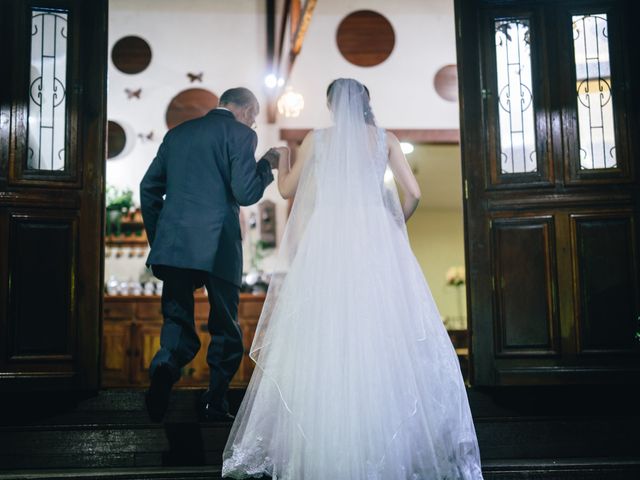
column 179, row 342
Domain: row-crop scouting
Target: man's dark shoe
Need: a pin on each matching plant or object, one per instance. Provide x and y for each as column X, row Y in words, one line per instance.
column 157, row 397
column 207, row 413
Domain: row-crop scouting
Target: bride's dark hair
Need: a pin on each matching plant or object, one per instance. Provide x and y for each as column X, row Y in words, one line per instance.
column 366, row 97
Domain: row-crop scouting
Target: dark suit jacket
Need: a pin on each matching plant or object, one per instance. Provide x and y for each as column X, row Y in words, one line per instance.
column 190, row 196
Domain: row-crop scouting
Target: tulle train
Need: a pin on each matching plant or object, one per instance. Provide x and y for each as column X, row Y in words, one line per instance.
column 356, row 377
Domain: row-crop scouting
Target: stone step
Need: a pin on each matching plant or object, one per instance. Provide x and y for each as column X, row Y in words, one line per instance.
column 542, row 469
column 110, row 433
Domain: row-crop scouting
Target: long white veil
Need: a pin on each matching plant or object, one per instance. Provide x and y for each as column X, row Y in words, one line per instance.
column 355, row 374
column 348, row 161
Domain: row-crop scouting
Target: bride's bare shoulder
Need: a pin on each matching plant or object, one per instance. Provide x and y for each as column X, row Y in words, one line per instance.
column 307, row 144
column 391, row 137
column 309, row 138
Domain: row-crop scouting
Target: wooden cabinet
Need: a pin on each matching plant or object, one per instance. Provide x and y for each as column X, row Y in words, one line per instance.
column 116, row 352
column 131, row 231
column 131, row 337
column 250, row 313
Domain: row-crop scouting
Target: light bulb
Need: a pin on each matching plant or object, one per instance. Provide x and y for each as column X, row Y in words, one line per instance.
column 406, row 147
column 270, row 81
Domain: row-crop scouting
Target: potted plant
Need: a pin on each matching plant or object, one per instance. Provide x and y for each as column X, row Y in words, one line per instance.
column 118, row 202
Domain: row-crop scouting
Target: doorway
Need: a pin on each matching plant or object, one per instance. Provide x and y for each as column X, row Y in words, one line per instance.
column 436, row 234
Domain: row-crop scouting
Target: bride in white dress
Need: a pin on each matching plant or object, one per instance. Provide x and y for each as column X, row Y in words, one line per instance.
column 355, row 378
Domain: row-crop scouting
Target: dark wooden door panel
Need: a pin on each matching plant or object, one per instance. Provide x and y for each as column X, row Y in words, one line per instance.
column 525, row 286
column 42, row 276
column 606, row 269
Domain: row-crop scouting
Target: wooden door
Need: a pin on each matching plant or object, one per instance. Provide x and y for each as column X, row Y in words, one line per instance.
column 52, row 144
column 549, row 135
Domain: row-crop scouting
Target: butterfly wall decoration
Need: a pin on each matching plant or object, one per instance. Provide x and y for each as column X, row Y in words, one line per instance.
column 146, row 136
column 133, row 93
column 195, row 77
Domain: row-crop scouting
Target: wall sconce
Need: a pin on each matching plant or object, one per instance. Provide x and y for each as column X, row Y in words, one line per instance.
column 290, row 103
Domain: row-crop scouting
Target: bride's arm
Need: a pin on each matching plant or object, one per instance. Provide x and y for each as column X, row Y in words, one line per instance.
column 288, row 176
column 403, row 174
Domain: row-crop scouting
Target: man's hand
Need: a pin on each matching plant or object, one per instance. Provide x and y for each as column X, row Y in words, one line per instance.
column 282, row 150
column 272, row 156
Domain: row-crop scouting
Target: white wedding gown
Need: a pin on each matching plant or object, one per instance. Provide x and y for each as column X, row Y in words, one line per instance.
column 356, row 377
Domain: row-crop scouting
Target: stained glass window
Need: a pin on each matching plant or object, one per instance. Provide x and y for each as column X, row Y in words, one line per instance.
column 47, row 91
column 515, row 96
column 593, row 90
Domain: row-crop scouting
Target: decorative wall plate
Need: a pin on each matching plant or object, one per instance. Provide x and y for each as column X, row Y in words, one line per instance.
column 131, row 54
column 189, row 104
column 116, row 139
column 365, row 38
column 446, row 83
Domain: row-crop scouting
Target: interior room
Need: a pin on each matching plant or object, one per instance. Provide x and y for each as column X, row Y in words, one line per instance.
column 158, row 80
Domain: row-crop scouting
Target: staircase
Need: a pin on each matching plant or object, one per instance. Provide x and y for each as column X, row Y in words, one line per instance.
column 523, row 434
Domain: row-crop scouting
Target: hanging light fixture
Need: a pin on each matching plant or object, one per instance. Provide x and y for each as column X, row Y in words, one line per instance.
column 290, row 103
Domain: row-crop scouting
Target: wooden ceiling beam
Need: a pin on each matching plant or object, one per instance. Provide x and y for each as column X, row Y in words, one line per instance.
column 283, row 30
column 300, row 31
column 271, row 56
column 298, row 15
column 271, row 34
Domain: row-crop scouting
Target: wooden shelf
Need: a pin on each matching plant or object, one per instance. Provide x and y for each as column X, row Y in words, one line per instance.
column 198, row 295
column 126, row 241
column 132, row 232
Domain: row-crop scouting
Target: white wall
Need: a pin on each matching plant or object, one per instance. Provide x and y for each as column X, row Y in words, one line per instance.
column 401, row 87
column 225, row 39
column 437, row 240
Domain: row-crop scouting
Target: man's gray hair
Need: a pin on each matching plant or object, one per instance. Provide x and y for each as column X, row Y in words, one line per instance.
column 238, row 96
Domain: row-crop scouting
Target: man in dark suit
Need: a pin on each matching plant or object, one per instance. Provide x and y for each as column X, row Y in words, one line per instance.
column 190, row 196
